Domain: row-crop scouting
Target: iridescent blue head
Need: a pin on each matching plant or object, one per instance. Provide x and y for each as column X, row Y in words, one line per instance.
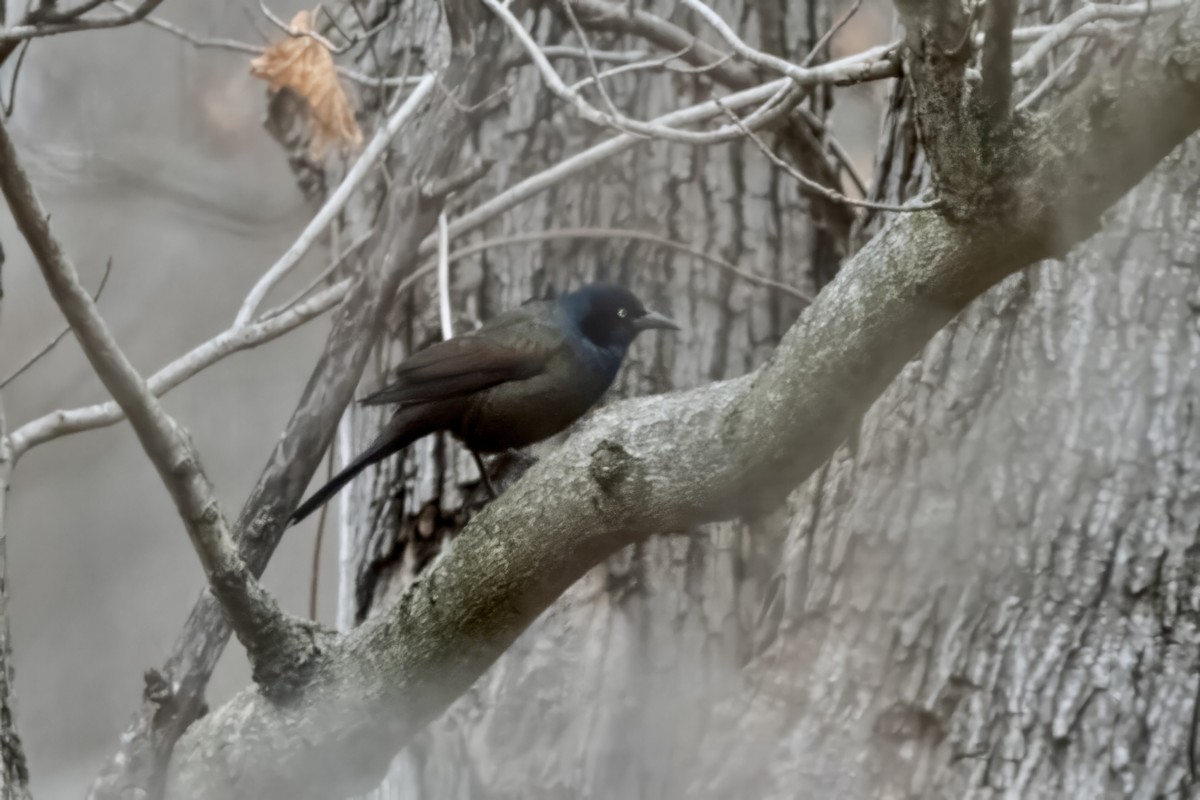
column 610, row 316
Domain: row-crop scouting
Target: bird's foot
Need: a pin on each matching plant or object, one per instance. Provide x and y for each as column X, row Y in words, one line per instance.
column 483, row 473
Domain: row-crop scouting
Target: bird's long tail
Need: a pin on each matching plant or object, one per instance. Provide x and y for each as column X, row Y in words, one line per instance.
column 405, row 427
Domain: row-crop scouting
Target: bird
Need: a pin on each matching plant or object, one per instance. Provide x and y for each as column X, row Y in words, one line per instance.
column 518, row 379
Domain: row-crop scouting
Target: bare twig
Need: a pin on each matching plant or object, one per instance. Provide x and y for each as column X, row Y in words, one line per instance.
column 1053, row 78
column 333, row 206
column 274, row 324
column 46, row 13
column 637, row 66
column 824, row 41
column 818, row 188
column 314, row 583
column 59, row 336
column 829, row 73
column 618, row 233
column 839, row 152
column 32, row 31
column 14, row 772
column 295, row 34
column 62, row 423
column 591, row 60
column 443, row 277
column 1054, row 35
column 252, row 613
column 235, row 46
column 598, row 153
column 12, row 87
column 801, row 75
column 999, row 17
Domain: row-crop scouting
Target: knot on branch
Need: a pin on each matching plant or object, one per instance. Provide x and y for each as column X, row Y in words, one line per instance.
column 286, row 660
column 611, row 466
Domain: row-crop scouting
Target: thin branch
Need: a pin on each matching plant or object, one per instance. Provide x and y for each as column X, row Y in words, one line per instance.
column 443, row 277
column 252, row 613
column 591, row 60
column 12, row 87
column 33, row 31
column 295, row 34
column 999, row 18
column 1048, row 83
column 47, row 13
column 61, row 334
column 554, row 82
column 333, row 206
column 602, row 56
column 278, row 322
column 14, row 771
column 819, row 188
column 314, row 583
column 274, row 324
column 321, row 277
column 1056, row 34
column 597, row 154
column 839, row 152
column 235, row 46
column 824, row 41
column 62, row 423
column 618, row 233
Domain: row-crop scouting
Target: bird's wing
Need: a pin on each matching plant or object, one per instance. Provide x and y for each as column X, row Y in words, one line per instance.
column 458, row 367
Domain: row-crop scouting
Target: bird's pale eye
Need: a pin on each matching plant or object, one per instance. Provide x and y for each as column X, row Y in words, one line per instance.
column 622, row 313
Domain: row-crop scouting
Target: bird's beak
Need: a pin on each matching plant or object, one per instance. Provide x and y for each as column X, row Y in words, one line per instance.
column 651, row 320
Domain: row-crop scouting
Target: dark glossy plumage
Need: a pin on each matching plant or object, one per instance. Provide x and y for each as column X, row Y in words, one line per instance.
column 522, row 377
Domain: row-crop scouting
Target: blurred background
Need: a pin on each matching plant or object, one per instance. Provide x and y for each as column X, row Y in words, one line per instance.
column 151, row 152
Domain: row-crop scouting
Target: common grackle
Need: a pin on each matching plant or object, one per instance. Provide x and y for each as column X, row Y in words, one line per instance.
column 520, row 378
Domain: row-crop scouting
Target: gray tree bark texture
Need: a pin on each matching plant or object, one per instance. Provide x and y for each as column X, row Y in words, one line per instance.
column 988, row 592
column 886, row 631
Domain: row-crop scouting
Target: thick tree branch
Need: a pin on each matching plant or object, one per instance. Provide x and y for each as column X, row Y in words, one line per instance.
column 667, row 463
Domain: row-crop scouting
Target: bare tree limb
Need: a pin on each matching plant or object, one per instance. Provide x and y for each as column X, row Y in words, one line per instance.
column 235, row 46
column 999, row 18
column 36, row 357
column 333, row 206
column 820, row 189
column 275, row 643
column 601, row 15
column 147, row 745
column 666, row 463
column 233, row 340
column 33, row 30
column 443, row 277
column 14, row 772
column 1054, row 35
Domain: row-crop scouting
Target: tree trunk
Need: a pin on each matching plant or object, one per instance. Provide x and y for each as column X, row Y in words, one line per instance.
column 989, row 591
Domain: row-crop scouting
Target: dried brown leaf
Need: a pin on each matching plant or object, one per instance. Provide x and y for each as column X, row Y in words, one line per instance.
column 305, row 65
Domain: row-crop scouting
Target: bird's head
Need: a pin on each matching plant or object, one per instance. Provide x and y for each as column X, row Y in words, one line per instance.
column 610, row 316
